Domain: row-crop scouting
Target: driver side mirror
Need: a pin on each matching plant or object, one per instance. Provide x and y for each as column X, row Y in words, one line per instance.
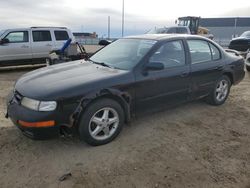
column 154, row 66
column 4, row 41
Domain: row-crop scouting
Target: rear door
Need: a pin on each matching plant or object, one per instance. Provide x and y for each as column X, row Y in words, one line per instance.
column 42, row 43
column 206, row 66
column 18, row 47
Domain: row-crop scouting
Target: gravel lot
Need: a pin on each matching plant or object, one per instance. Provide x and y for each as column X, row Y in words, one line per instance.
column 193, row 145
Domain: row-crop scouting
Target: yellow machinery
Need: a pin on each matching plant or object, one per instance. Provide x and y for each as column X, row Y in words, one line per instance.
column 193, row 23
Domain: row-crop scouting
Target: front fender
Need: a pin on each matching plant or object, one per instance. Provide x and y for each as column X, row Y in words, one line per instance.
column 123, row 98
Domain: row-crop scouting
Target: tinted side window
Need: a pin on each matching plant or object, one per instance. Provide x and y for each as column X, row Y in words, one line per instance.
column 199, row 51
column 215, row 52
column 171, row 30
column 181, row 30
column 171, row 54
column 41, row 36
column 18, row 36
column 61, row 35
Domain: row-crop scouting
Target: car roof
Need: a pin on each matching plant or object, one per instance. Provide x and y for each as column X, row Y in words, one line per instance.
column 172, row 26
column 27, row 28
column 160, row 37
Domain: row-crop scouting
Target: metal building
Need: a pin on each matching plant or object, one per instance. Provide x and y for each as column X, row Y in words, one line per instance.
column 86, row 38
column 224, row 29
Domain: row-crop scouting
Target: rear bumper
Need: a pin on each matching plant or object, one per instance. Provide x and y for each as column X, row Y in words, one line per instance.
column 240, row 76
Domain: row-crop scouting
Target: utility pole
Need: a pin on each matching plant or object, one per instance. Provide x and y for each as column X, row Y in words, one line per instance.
column 108, row 27
column 122, row 18
column 235, row 26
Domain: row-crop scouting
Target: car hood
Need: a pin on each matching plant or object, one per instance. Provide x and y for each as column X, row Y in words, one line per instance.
column 66, row 80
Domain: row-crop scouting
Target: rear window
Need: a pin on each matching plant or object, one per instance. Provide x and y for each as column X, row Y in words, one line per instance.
column 171, row 30
column 181, row 30
column 246, row 34
column 41, row 36
column 200, row 51
column 61, row 35
column 215, row 52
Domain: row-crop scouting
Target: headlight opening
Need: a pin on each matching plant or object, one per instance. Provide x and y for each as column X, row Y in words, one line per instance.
column 43, row 106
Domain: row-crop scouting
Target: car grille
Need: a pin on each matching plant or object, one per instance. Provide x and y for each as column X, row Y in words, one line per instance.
column 17, row 97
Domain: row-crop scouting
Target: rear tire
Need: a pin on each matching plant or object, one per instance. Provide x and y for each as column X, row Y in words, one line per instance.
column 101, row 122
column 220, row 91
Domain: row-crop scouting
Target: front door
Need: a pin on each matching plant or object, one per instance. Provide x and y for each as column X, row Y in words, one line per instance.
column 18, row 47
column 159, row 89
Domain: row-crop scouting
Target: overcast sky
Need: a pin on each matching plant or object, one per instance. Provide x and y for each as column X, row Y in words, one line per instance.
column 92, row 15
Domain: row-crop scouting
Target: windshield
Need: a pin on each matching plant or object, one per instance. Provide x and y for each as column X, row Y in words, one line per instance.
column 246, row 34
column 1, row 32
column 158, row 30
column 184, row 22
column 123, row 53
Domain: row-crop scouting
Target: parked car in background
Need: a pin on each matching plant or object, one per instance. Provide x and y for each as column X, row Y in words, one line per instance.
column 242, row 43
column 128, row 77
column 248, row 62
column 104, row 42
column 30, row 45
column 169, row 30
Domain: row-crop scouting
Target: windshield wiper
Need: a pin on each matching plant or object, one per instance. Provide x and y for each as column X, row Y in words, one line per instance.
column 100, row 63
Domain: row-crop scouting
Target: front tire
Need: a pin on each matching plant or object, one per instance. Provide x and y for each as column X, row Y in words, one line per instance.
column 220, row 91
column 101, row 122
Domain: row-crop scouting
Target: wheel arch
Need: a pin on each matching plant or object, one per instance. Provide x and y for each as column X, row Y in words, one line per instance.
column 230, row 76
column 123, row 98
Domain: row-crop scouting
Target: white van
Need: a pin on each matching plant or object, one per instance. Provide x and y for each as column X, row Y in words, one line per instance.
column 31, row 45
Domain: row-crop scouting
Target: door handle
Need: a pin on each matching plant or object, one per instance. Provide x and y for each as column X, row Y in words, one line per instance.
column 184, row 74
column 216, row 68
column 24, row 46
column 49, row 45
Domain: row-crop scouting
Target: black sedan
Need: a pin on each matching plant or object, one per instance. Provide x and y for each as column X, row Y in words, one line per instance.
column 129, row 77
column 241, row 43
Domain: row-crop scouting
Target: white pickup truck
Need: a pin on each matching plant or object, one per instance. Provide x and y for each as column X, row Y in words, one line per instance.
column 31, row 45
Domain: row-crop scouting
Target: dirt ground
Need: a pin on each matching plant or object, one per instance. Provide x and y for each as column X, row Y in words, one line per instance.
column 193, row 145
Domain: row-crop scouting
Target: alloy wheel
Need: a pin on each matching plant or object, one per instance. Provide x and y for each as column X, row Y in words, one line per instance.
column 104, row 123
column 222, row 90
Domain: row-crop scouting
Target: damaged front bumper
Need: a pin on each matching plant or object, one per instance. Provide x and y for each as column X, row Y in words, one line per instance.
column 36, row 124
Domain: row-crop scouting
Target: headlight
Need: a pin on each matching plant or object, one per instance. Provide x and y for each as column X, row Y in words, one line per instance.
column 44, row 106
column 30, row 103
column 47, row 106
